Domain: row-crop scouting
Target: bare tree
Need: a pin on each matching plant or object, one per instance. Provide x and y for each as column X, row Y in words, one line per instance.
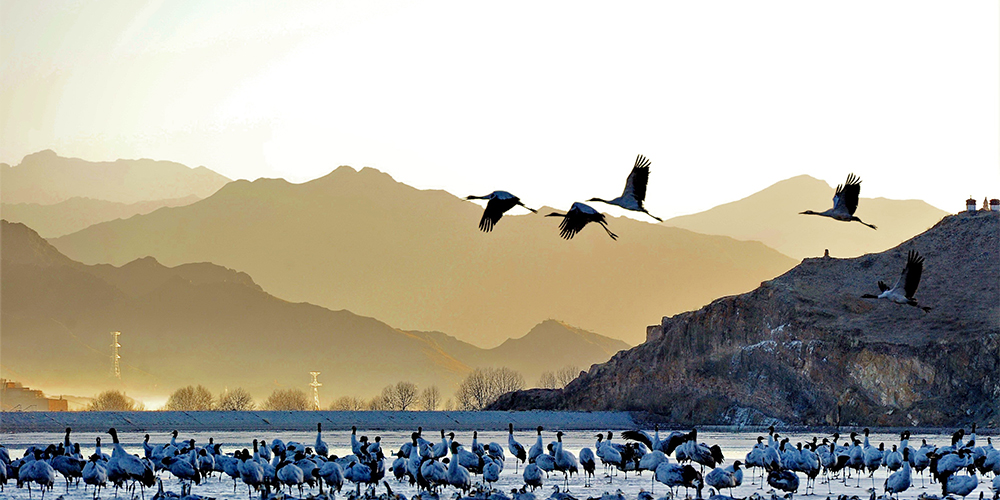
column 114, row 401
column 406, row 395
column 547, row 380
column 237, row 399
column 378, row 403
column 287, row 400
column 484, row 385
column 566, row 374
column 190, row 398
column 430, row 399
column 348, row 403
column 506, row 380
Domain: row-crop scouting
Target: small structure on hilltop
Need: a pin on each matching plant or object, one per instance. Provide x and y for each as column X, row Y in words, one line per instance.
column 970, row 205
column 995, row 205
column 16, row 397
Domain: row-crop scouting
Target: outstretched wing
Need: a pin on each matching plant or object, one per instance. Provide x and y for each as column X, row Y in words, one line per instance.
column 571, row 224
column 911, row 273
column 491, row 215
column 846, row 197
column 635, row 186
column 882, row 286
column 640, row 436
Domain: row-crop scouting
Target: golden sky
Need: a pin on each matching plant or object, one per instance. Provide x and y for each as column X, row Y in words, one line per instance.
column 549, row 100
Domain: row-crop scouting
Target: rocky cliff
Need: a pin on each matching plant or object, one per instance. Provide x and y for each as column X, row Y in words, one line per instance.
column 804, row 348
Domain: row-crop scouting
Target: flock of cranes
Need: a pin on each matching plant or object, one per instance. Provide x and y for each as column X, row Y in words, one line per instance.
column 435, row 466
column 845, row 203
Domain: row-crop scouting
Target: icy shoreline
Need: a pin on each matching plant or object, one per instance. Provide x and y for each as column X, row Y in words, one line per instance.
column 19, row 422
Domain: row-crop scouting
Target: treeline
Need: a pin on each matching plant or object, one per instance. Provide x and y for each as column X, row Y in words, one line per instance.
column 478, row 390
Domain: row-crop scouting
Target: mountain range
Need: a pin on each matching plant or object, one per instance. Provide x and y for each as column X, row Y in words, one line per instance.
column 805, row 348
column 771, row 216
column 205, row 324
column 46, row 178
column 359, row 240
column 74, row 214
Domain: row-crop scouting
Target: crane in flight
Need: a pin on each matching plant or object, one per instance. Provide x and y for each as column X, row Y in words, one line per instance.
column 635, row 189
column 902, row 292
column 845, row 202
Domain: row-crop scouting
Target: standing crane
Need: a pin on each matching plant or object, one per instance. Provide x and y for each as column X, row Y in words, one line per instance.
column 902, row 292
column 635, row 189
column 845, row 202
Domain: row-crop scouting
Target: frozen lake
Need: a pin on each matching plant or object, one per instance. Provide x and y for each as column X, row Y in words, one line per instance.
column 734, row 446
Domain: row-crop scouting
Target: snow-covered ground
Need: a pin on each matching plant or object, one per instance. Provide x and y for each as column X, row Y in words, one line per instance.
column 734, row 445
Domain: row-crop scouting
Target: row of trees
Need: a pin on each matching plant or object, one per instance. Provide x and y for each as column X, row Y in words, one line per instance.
column 480, row 388
column 401, row 396
column 558, row 379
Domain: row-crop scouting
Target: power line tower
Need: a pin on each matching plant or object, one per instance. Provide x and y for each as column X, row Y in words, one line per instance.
column 315, row 385
column 115, row 357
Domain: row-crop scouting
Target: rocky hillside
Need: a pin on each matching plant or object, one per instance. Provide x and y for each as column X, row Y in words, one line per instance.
column 804, row 348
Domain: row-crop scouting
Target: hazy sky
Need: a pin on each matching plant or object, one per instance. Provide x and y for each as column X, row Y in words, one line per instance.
column 549, row 100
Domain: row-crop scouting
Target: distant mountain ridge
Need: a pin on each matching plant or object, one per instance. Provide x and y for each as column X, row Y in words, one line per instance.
column 205, row 324
column 47, row 178
column 772, row 217
column 361, row 241
column 804, row 348
column 74, row 214
column 549, row 346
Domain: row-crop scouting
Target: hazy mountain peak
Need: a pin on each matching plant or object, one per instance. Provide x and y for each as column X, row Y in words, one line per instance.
column 772, row 217
column 45, row 154
column 359, row 240
column 45, row 177
column 22, row 245
column 346, row 173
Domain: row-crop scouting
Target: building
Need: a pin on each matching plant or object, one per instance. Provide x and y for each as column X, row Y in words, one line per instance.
column 16, row 397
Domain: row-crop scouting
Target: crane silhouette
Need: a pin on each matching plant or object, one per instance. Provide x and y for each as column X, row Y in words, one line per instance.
column 635, row 189
column 902, row 292
column 845, row 202
column 499, row 203
column 579, row 215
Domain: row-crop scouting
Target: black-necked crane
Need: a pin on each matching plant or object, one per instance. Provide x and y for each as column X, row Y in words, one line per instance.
column 124, row 467
column 499, row 203
column 579, row 215
column 588, row 462
column 784, row 480
column 720, row 478
column 532, row 476
column 902, row 292
column 845, row 202
column 635, row 189
column 320, row 447
column 95, row 474
column 900, row 481
column 515, row 448
column 565, row 461
column 458, row 476
column 37, row 471
column 538, row 448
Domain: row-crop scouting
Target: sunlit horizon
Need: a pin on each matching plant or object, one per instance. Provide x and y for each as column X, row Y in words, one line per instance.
column 550, row 101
